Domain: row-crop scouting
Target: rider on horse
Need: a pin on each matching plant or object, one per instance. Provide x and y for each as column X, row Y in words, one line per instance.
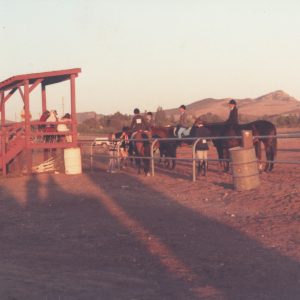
column 149, row 119
column 182, row 126
column 138, row 123
column 233, row 118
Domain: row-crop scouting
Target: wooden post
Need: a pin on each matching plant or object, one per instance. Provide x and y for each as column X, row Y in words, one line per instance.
column 44, row 99
column 44, row 108
column 73, row 111
column 247, row 139
column 3, row 136
column 27, row 127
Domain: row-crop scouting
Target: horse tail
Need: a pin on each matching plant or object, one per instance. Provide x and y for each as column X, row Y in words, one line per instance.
column 273, row 150
column 274, row 147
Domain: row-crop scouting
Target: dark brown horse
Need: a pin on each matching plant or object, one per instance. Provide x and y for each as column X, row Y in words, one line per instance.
column 267, row 132
column 265, row 129
column 167, row 149
column 142, row 151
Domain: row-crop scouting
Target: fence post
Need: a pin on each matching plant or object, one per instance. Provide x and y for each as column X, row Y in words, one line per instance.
column 194, row 158
column 247, row 139
column 3, row 151
column 118, row 155
column 91, row 155
column 152, row 156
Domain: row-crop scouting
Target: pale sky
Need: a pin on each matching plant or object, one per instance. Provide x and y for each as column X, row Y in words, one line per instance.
column 138, row 53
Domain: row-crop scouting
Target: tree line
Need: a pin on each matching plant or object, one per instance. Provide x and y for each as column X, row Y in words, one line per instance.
column 115, row 122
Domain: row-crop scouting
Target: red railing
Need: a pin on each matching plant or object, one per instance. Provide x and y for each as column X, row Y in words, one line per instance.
column 14, row 139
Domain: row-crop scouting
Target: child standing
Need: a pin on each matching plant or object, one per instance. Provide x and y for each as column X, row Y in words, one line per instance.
column 112, row 163
column 202, row 146
column 124, row 146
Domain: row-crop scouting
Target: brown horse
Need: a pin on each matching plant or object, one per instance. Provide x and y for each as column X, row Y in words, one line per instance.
column 167, row 149
column 142, row 151
column 265, row 129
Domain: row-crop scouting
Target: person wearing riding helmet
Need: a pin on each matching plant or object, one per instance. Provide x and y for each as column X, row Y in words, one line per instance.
column 149, row 119
column 138, row 122
column 233, row 118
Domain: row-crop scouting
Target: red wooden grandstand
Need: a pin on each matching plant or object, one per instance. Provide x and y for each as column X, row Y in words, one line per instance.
column 25, row 136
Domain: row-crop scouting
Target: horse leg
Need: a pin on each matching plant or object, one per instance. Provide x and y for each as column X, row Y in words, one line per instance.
column 146, row 163
column 220, row 156
column 204, row 167
column 226, row 163
column 138, row 164
column 273, row 150
column 125, row 160
column 173, row 154
column 257, row 147
column 199, row 167
column 167, row 162
column 173, row 164
column 268, row 156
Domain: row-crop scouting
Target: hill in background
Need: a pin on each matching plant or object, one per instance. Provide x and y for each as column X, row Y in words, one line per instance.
column 272, row 104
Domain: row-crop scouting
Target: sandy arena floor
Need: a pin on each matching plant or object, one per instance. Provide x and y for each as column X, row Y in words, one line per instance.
column 123, row 236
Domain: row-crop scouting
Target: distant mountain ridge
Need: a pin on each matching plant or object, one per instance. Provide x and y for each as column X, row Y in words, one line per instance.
column 271, row 104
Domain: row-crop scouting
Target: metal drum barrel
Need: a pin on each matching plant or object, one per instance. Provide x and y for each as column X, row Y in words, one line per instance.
column 244, row 168
column 72, row 159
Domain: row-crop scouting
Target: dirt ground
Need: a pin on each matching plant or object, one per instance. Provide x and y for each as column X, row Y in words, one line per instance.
column 123, row 236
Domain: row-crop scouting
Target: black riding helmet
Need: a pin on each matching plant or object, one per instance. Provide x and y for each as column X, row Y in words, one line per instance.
column 136, row 111
column 232, row 101
column 182, row 106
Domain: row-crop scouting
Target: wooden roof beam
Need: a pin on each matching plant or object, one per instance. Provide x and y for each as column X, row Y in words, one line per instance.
column 35, row 84
column 11, row 92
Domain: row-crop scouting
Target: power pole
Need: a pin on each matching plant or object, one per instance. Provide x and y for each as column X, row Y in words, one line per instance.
column 63, row 106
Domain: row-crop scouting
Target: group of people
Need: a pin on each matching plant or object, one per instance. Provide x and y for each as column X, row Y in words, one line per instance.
column 51, row 117
column 142, row 123
column 183, row 128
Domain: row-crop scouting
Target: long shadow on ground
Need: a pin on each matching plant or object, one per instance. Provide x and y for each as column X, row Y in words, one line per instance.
column 58, row 245
column 221, row 257
column 121, row 239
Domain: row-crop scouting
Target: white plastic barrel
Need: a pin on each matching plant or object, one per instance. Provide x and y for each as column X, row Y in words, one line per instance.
column 72, row 159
